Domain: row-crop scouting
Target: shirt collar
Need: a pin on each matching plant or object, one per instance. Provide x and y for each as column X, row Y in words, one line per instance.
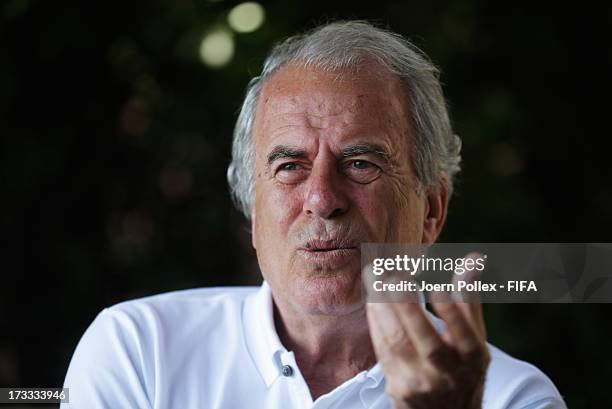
column 265, row 347
column 261, row 338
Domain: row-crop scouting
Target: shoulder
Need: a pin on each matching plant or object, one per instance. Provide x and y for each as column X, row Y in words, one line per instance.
column 512, row 383
column 518, row 384
column 128, row 347
column 175, row 313
column 178, row 307
column 168, row 321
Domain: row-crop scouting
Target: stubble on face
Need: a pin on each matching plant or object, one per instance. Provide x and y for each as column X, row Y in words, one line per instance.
column 308, row 253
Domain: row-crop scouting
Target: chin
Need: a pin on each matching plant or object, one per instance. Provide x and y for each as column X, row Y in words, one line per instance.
column 331, row 294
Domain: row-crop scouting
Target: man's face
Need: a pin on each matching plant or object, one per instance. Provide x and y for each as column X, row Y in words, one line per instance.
column 332, row 170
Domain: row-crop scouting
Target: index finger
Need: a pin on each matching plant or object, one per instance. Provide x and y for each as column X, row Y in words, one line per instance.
column 424, row 335
column 473, row 308
column 464, row 320
column 463, row 335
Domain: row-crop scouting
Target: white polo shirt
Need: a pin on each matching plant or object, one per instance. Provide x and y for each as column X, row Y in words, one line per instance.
column 217, row 348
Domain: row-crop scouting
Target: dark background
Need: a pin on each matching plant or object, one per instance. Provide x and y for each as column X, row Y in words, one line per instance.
column 116, row 139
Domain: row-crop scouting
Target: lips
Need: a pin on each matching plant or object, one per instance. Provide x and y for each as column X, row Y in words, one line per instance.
column 316, row 246
column 331, row 253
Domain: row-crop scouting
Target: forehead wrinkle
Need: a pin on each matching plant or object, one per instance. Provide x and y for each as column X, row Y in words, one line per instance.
column 311, row 105
column 304, row 99
column 321, row 115
column 347, row 131
column 277, row 124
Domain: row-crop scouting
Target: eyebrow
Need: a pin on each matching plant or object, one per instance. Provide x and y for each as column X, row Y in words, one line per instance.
column 283, row 151
column 365, row 148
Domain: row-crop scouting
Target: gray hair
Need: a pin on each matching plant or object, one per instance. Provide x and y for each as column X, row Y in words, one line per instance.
column 343, row 45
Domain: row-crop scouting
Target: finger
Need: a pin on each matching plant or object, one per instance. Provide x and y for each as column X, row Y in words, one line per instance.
column 463, row 335
column 427, row 341
column 474, row 316
column 473, row 308
column 389, row 336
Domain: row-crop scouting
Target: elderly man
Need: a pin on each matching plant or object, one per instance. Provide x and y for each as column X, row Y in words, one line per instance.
column 344, row 138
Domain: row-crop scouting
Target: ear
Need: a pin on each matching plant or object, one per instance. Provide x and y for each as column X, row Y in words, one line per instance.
column 253, row 221
column 436, row 206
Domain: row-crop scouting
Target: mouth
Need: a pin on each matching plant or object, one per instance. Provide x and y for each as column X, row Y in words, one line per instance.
column 321, row 246
column 330, row 252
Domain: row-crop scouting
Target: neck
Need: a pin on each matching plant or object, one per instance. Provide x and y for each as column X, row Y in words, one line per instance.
column 329, row 349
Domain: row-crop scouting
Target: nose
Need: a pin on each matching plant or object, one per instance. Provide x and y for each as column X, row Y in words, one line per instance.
column 324, row 195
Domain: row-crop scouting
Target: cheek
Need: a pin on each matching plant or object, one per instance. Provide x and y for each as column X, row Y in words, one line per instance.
column 409, row 210
column 277, row 206
column 391, row 213
column 371, row 203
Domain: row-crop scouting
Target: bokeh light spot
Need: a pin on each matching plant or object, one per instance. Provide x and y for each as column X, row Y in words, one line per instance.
column 217, row 48
column 246, row 17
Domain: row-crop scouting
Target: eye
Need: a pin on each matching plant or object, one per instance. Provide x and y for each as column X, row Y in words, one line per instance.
column 360, row 164
column 291, row 173
column 362, row 171
column 289, row 166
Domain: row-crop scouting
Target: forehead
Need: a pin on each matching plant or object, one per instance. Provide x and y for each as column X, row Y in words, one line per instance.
column 365, row 99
